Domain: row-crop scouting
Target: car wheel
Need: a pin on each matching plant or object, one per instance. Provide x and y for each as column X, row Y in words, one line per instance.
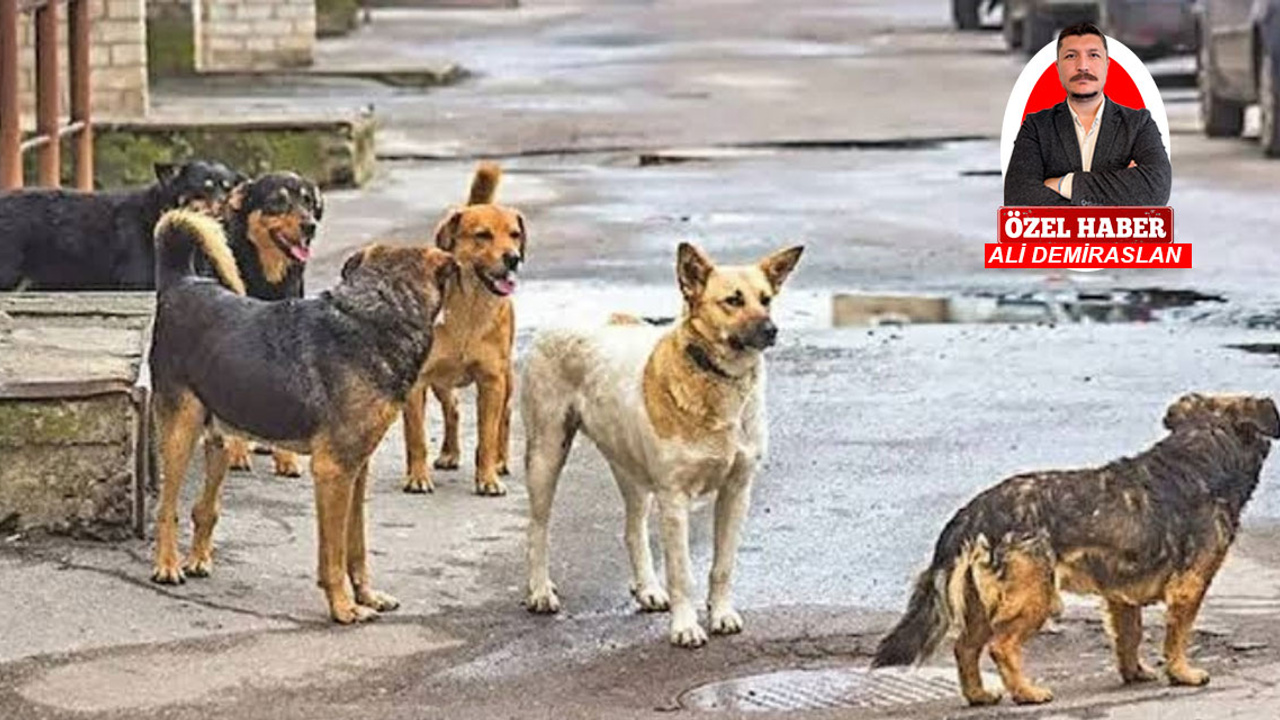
column 1269, row 102
column 1222, row 117
column 1037, row 31
column 965, row 13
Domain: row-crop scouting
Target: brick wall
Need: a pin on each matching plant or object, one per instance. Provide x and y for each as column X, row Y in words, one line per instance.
column 117, row 59
column 254, row 34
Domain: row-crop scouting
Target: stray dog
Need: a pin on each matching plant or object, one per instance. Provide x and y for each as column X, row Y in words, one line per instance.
column 70, row 240
column 474, row 341
column 676, row 412
column 324, row 375
column 270, row 223
column 1151, row 528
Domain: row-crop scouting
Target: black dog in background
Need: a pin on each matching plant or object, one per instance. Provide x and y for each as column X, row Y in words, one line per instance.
column 69, row 240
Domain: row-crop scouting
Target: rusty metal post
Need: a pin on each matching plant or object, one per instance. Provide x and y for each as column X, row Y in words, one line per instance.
column 10, row 129
column 47, row 94
column 78, row 49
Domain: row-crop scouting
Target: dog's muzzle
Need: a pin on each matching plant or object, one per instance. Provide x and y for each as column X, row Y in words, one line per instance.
column 762, row 335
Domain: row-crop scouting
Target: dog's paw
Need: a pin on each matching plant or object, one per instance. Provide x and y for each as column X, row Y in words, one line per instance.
column 503, row 470
column 168, row 574
column 238, row 460
column 1187, row 675
column 1142, row 673
column 349, row 614
column 652, row 598
column 446, row 461
column 198, row 567
column 688, row 635
column 725, row 622
column 286, row 464
column 379, row 601
column 982, row 698
column 543, row 600
column 419, row 484
column 491, row 487
column 1032, row 695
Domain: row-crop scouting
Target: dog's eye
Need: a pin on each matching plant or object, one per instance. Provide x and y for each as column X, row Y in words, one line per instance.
column 484, row 235
column 765, row 300
column 515, row 234
column 735, row 300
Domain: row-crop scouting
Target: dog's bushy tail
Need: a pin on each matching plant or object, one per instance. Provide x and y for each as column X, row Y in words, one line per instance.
column 484, row 186
column 178, row 235
column 939, row 597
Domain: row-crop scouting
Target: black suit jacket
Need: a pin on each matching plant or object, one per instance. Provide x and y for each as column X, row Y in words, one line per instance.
column 1047, row 147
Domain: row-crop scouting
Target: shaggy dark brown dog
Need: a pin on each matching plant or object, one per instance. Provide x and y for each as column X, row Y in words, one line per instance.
column 324, row 376
column 1151, row 528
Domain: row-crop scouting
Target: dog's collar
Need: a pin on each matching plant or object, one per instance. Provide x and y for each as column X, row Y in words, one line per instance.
column 702, row 359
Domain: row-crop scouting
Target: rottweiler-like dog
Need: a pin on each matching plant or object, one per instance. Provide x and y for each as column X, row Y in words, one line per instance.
column 71, row 240
column 270, row 223
column 1137, row 531
column 325, row 376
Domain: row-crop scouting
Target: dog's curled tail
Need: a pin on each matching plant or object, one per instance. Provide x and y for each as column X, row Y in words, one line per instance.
column 939, row 598
column 484, row 186
column 178, row 234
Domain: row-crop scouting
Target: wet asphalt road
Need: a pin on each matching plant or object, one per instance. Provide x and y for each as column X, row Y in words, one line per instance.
column 877, row 435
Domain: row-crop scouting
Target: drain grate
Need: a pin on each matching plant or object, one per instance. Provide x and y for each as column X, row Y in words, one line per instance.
column 826, row 689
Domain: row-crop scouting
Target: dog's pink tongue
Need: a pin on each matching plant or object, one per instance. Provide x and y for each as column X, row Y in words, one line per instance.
column 300, row 253
column 506, row 285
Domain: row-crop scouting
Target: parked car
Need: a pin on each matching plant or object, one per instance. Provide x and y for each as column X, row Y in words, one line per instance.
column 1237, row 65
column 967, row 14
column 1032, row 24
column 1150, row 28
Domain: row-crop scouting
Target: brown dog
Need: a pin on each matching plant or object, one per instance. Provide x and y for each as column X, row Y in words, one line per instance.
column 1140, row 530
column 324, row 376
column 474, row 342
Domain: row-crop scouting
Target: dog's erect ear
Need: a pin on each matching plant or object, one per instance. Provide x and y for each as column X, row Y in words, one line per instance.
column 318, row 198
column 693, row 267
column 1182, row 409
column 353, row 262
column 778, row 266
column 524, row 237
column 447, row 231
column 1260, row 413
column 166, row 172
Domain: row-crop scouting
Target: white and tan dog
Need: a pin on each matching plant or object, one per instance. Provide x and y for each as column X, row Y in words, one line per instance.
column 677, row 413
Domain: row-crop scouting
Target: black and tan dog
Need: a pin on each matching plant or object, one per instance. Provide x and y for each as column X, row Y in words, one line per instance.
column 270, row 223
column 475, row 342
column 70, row 240
column 324, row 375
column 1141, row 530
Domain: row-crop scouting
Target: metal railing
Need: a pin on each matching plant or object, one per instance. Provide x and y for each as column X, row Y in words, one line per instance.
column 49, row 130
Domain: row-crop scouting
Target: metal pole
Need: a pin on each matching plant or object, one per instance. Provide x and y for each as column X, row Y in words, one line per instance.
column 47, row 94
column 78, row 38
column 10, row 130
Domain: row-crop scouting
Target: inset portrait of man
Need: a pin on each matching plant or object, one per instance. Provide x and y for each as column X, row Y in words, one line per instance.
column 1088, row 149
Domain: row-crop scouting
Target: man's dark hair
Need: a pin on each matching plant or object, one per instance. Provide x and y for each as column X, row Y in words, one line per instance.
column 1084, row 28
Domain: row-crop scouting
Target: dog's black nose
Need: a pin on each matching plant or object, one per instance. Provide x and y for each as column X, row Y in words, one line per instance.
column 511, row 260
column 768, row 333
column 309, row 229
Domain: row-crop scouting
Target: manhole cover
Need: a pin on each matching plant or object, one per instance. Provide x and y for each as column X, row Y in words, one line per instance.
column 834, row 688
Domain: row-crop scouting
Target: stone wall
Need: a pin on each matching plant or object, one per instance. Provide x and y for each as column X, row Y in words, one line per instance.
column 239, row 35
column 117, row 59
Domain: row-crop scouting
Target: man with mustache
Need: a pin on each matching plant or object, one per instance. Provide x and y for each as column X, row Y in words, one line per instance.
column 1087, row 150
